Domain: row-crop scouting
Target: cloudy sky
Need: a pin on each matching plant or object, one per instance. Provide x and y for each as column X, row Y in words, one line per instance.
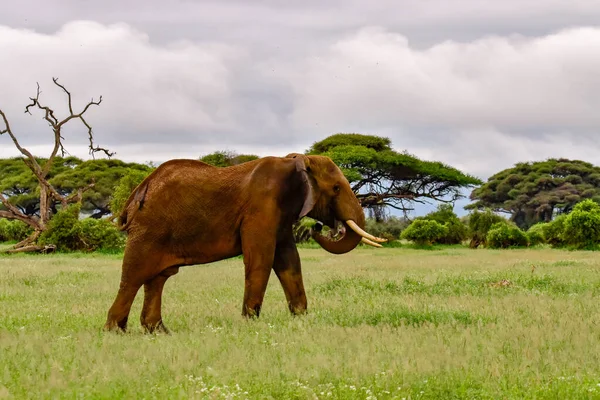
column 477, row 84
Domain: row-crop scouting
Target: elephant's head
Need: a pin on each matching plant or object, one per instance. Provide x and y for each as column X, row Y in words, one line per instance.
column 328, row 198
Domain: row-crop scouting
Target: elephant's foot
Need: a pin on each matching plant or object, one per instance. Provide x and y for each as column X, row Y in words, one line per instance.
column 251, row 311
column 298, row 309
column 115, row 326
column 155, row 327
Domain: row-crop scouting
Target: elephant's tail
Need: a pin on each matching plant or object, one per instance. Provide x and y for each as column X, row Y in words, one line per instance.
column 137, row 197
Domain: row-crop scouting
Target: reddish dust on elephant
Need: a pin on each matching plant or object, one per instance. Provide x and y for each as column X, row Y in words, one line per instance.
column 187, row 212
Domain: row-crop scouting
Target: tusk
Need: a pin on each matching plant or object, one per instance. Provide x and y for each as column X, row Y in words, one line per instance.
column 370, row 243
column 362, row 233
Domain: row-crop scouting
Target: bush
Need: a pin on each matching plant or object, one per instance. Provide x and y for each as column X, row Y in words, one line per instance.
column 68, row 233
column 456, row 229
column 553, row 231
column 479, row 225
column 100, row 234
column 389, row 229
column 582, row 225
column 302, row 229
column 424, row 232
column 14, row 230
column 535, row 234
column 457, row 233
column 63, row 230
column 503, row 235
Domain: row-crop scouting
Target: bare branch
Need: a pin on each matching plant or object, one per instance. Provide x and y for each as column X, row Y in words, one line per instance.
column 33, row 99
column 78, row 196
column 48, row 112
column 91, row 103
column 94, row 150
column 55, row 80
column 21, row 149
column 19, row 216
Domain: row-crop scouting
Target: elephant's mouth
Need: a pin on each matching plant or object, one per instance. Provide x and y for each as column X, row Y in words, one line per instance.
column 335, row 233
column 339, row 229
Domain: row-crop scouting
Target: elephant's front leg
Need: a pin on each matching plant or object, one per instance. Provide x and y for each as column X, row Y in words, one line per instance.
column 287, row 268
column 258, row 260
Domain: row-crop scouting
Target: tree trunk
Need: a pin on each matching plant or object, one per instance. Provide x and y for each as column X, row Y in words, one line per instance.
column 33, row 248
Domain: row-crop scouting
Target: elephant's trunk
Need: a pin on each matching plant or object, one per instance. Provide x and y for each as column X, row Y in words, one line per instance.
column 352, row 219
column 347, row 242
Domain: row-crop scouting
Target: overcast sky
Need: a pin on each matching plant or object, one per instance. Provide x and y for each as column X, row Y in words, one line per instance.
column 477, row 84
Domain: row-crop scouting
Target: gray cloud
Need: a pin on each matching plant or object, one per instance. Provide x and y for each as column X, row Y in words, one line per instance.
column 478, row 85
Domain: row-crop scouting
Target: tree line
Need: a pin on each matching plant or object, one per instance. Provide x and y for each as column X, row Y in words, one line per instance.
column 43, row 193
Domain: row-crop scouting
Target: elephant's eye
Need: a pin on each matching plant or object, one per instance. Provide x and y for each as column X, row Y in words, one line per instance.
column 336, row 188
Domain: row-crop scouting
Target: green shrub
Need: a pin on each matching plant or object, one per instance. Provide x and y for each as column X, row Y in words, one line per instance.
column 302, row 229
column 63, row 230
column 392, row 242
column 68, row 233
column 14, row 230
column 457, row 231
column 582, row 225
column 503, row 235
column 479, row 225
column 4, row 227
column 553, row 231
column 424, row 232
column 100, row 234
column 389, row 229
column 535, row 234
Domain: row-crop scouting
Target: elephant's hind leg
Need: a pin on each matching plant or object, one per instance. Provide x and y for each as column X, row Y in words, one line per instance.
column 119, row 311
column 133, row 275
column 151, row 317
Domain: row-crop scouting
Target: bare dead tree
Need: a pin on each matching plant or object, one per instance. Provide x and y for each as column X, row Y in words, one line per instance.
column 48, row 194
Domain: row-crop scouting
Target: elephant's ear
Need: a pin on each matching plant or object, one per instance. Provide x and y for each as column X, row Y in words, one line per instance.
column 303, row 169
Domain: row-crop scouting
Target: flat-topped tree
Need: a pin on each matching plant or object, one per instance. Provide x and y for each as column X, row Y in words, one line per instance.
column 382, row 177
column 20, row 186
column 48, row 194
column 537, row 191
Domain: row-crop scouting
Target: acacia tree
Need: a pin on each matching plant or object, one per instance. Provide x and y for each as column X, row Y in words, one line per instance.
column 534, row 192
column 382, row 177
column 106, row 174
column 48, row 194
column 20, row 186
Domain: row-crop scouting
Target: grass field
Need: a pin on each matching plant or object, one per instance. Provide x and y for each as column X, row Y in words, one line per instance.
column 382, row 323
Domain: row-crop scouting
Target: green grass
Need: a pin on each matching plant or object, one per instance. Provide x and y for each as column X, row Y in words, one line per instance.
column 447, row 323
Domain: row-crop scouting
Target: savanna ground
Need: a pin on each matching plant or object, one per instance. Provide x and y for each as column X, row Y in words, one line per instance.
column 382, row 323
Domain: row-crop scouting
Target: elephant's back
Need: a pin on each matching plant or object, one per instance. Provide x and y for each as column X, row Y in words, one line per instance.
column 185, row 198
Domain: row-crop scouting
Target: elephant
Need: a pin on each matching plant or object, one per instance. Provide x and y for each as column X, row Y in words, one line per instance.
column 187, row 212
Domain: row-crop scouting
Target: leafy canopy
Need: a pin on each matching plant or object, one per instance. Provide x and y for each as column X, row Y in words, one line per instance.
column 534, row 192
column 19, row 185
column 383, row 177
column 67, row 175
